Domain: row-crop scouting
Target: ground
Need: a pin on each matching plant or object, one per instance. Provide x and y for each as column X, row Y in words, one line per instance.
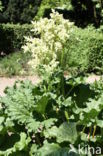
column 4, row 82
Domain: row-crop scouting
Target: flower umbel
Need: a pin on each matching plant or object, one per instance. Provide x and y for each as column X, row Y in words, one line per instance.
column 47, row 48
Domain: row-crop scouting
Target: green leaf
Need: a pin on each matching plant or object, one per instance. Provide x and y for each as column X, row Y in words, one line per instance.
column 51, row 133
column 67, row 133
column 1, row 123
column 9, row 123
column 84, row 137
column 1, row 119
column 49, row 122
column 18, row 146
column 41, row 104
column 98, row 6
column 32, row 125
column 24, row 141
column 67, row 102
column 53, row 149
column 100, row 123
column 33, row 150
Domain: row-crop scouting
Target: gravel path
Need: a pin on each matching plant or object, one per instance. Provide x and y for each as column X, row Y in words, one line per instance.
column 4, row 82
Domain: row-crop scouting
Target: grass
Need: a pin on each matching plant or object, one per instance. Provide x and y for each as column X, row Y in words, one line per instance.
column 15, row 64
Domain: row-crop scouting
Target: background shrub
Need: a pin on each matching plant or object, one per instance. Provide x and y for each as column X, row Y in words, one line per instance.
column 0, row 6
column 19, row 11
column 85, row 50
column 15, row 64
column 82, row 12
column 47, row 5
column 12, row 36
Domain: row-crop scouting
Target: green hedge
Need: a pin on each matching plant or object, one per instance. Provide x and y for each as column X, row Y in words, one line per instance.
column 19, row 11
column 85, row 50
column 12, row 36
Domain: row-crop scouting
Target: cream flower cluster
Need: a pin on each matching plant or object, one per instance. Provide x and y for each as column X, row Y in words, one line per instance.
column 52, row 34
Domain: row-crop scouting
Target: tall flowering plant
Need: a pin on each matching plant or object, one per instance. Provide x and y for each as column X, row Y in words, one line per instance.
column 47, row 48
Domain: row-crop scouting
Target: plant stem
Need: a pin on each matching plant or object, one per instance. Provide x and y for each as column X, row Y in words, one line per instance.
column 62, row 76
column 84, row 129
column 94, row 130
column 90, row 130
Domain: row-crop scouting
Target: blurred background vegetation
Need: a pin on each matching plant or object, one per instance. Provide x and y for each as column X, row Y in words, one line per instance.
column 82, row 12
column 85, row 49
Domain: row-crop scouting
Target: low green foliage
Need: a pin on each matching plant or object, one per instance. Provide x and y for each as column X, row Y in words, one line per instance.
column 15, row 64
column 43, row 120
